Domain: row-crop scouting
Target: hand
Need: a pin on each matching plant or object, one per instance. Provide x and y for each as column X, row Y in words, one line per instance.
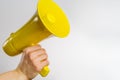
column 33, row 60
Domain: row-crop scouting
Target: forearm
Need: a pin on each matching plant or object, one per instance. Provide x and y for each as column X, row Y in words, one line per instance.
column 33, row 60
column 13, row 75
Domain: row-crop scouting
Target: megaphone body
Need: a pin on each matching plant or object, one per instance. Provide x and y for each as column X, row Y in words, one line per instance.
column 43, row 24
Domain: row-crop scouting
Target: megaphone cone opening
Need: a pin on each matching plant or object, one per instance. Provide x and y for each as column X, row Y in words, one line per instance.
column 53, row 18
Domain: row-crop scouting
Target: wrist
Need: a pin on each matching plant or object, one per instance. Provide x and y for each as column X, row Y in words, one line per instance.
column 21, row 75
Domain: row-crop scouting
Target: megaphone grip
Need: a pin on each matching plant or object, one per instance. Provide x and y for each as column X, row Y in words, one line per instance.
column 44, row 72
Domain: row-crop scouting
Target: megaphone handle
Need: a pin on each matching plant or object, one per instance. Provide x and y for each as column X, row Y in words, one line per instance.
column 44, row 72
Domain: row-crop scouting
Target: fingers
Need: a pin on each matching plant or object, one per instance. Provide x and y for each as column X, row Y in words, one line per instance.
column 31, row 49
column 41, row 65
column 37, row 53
column 41, row 58
column 37, row 57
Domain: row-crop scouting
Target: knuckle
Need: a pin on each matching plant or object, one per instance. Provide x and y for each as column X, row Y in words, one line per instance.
column 43, row 50
column 45, row 56
column 38, row 46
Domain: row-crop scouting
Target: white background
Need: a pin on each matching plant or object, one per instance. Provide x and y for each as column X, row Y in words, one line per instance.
column 90, row 52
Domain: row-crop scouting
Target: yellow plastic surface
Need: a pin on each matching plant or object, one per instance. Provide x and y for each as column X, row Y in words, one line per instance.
column 44, row 72
column 31, row 33
column 53, row 18
column 48, row 20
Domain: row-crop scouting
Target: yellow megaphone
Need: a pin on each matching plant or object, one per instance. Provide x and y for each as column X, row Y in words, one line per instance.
column 48, row 20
